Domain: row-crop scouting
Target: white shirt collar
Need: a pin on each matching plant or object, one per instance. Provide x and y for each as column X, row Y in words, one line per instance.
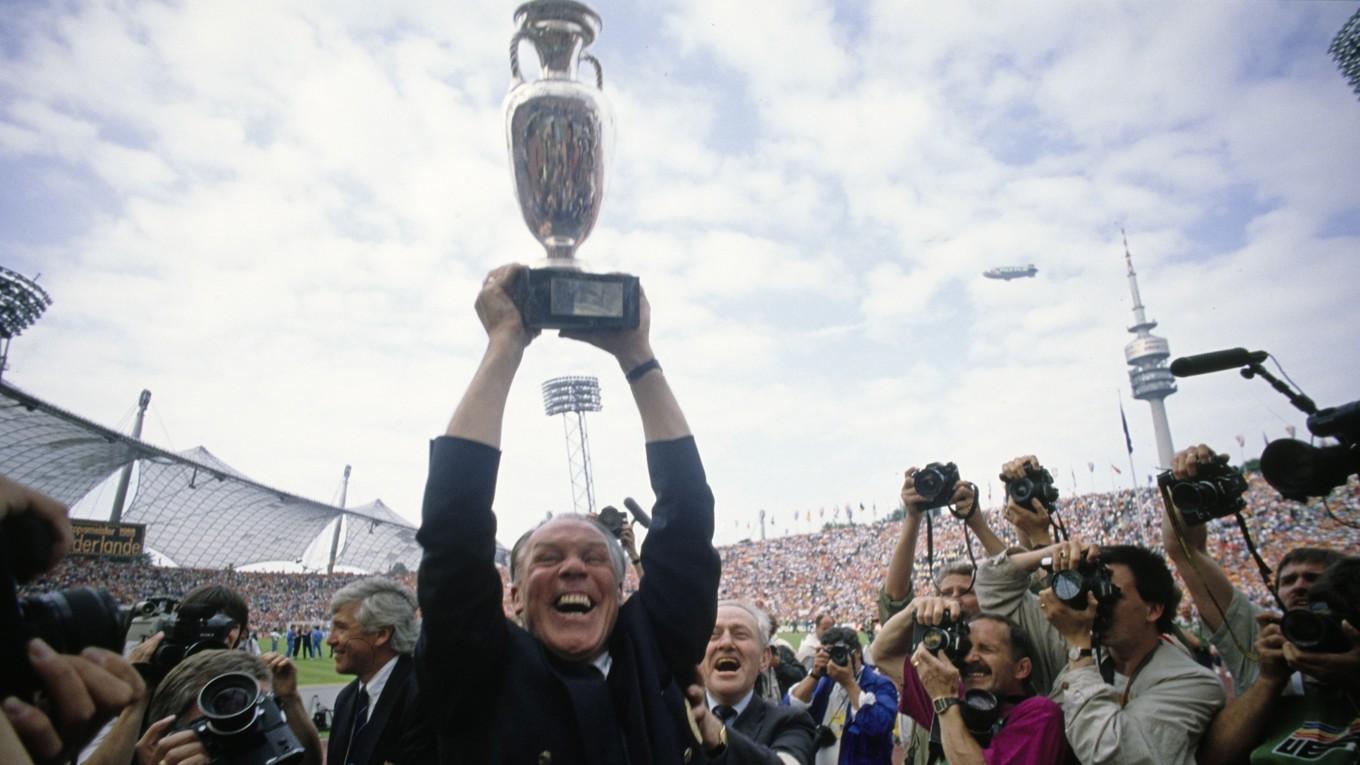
column 603, row 662
column 740, row 706
column 375, row 684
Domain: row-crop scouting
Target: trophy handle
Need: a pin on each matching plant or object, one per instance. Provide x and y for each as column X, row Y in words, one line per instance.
column 599, row 70
column 515, row 40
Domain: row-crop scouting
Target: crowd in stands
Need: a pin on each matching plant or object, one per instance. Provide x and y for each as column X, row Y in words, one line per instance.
column 796, row 575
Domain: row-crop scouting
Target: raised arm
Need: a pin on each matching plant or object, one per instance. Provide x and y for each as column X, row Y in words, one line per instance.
column 1187, row 546
column 481, row 411
column 896, row 591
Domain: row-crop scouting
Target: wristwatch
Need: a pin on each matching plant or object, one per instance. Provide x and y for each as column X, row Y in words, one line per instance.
column 943, row 705
column 1075, row 653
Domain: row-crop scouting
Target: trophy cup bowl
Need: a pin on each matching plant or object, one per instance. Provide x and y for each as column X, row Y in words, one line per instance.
column 557, row 132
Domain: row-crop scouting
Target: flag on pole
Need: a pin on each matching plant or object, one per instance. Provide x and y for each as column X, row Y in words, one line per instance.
column 1290, row 430
column 1264, row 439
column 1241, row 442
column 1128, row 441
column 1116, row 469
column 1091, row 466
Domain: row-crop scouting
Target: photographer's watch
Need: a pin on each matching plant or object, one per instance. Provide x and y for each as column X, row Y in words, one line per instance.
column 943, row 705
column 1075, row 654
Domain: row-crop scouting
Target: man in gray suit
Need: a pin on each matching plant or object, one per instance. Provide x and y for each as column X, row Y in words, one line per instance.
column 733, row 721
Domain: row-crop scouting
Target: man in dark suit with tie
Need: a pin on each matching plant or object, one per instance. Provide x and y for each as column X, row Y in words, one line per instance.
column 580, row 676
column 731, row 717
column 378, row 717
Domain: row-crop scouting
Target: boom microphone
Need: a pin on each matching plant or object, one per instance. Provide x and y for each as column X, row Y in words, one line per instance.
column 638, row 513
column 1216, row 361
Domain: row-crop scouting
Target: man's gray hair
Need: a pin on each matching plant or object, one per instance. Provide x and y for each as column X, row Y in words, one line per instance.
column 761, row 618
column 617, row 559
column 383, row 603
column 179, row 690
column 959, row 567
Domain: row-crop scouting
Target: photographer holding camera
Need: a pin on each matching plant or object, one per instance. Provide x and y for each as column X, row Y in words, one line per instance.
column 1124, row 597
column 1270, row 722
column 1229, row 615
column 854, row 706
column 971, row 675
column 228, row 706
column 81, row 691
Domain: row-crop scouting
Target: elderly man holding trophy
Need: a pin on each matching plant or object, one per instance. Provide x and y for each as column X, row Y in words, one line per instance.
column 580, row 676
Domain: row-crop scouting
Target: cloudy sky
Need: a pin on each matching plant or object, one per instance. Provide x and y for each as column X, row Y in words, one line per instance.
column 275, row 215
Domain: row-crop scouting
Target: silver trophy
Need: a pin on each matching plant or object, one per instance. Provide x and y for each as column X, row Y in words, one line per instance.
column 557, row 130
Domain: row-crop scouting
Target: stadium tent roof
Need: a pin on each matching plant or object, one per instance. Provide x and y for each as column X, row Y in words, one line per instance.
column 198, row 510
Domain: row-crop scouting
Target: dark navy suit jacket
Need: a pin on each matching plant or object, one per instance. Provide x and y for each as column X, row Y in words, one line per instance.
column 499, row 695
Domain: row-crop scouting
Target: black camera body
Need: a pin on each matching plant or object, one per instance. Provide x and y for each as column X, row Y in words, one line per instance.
column 1217, row 491
column 188, row 630
column 1318, row 628
column 935, row 484
column 839, row 654
column 1072, row 585
column 950, row 636
column 613, row 520
column 561, row 298
column 242, row 725
column 1036, row 484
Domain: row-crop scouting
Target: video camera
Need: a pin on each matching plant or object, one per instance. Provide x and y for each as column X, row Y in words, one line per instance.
column 951, row 636
column 612, row 519
column 1214, row 493
column 1298, row 470
column 1037, row 483
column 188, row 630
column 242, row 725
column 68, row 620
column 935, row 484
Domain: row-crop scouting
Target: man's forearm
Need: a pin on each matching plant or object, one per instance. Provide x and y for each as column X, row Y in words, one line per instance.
column 897, row 583
column 118, row 746
column 960, row 748
column 481, row 411
column 892, row 645
column 662, row 419
column 1236, row 730
column 803, row 690
column 990, row 541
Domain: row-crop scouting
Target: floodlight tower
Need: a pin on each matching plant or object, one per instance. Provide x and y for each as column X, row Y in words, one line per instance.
column 1147, row 355
column 1345, row 50
column 22, row 301
column 569, row 396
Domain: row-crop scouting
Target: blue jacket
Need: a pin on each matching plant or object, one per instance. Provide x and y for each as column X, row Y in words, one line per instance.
column 867, row 738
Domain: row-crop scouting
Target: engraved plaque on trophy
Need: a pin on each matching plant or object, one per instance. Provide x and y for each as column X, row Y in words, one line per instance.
column 557, row 130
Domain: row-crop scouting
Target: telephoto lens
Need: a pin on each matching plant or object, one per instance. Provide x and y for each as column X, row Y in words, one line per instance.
column 1316, row 629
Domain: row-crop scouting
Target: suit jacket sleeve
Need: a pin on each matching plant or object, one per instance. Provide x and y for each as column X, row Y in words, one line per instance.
column 458, row 586
column 679, row 589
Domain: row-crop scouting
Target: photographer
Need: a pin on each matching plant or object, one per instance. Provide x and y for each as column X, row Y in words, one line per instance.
column 176, row 705
column 1270, row 721
column 999, row 719
column 854, row 706
column 81, row 691
column 199, row 607
column 1162, row 701
column 1230, row 617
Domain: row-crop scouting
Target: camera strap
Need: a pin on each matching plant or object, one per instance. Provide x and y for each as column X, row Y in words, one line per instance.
column 1260, row 562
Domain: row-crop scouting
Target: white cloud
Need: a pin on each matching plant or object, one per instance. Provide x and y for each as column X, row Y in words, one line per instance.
column 276, row 216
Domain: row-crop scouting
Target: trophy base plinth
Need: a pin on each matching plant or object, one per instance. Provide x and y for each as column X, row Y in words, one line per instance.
column 558, row 298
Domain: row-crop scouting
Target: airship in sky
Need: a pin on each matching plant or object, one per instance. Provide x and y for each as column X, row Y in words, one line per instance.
column 1006, row 273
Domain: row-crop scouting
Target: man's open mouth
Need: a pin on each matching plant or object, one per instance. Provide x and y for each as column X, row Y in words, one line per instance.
column 573, row 603
column 727, row 664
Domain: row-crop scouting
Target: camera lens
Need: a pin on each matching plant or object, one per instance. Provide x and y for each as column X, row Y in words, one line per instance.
column 928, row 482
column 1193, row 495
column 229, row 701
column 934, row 639
column 1068, row 585
column 71, row 620
column 1022, row 490
column 1304, row 629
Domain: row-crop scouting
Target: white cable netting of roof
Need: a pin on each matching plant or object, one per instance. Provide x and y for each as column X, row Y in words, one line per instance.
column 198, row 510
